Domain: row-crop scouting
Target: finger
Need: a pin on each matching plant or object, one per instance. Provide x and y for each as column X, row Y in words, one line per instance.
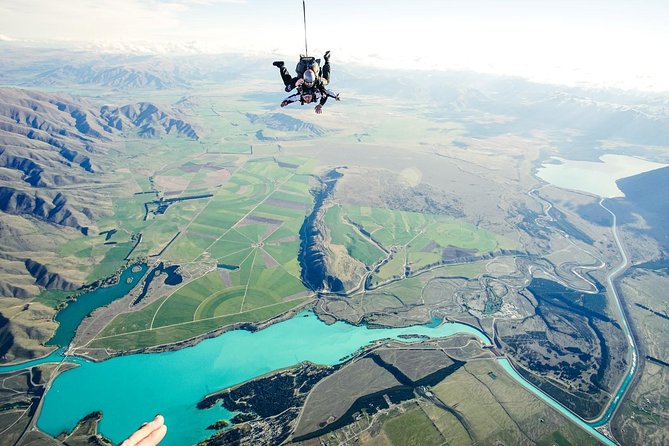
column 143, row 431
column 154, row 437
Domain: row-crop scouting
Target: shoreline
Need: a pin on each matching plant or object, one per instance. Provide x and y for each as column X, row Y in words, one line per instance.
column 17, row 364
column 106, row 282
column 247, row 326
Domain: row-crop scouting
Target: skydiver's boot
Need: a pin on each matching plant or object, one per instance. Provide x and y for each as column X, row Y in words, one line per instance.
column 326, row 56
column 278, row 63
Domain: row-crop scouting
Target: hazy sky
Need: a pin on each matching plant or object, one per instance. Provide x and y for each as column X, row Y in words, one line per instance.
column 604, row 42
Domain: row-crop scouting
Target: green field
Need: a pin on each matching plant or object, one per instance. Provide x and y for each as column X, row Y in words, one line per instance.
column 400, row 228
column 174, row 333
column 417, row 240
column 127, row 215
column 412, row 428
column 481, row 393
column 53, row 298
column 357, row 245
column 249, row 228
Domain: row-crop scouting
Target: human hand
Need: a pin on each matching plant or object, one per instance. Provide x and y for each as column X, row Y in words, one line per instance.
column 337, row 98
column 299, row 82
column 284, row 103
column 148, row 434
column 319, row 109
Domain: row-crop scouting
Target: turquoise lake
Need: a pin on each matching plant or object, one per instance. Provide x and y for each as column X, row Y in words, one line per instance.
column 597, row 178
column 71, row 316
column 132, row 389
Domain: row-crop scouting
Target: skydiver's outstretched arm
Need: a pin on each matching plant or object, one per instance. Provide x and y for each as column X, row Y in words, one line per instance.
column 290, row 99
column 325, row 94
column 332, row 94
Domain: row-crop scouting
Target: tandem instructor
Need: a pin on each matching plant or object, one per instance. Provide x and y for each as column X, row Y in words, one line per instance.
column 148, row 434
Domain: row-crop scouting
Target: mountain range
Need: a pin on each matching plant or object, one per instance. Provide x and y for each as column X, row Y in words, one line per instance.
column 54, row 153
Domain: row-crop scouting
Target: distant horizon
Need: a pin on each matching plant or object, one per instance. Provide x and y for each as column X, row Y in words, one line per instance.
column 614, row 43
column 173, row 50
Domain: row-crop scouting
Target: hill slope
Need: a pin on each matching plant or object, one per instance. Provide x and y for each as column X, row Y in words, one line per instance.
column 55, row 153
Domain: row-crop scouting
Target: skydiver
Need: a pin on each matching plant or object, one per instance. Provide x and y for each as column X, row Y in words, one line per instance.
column 309, row 92
column 305, row 64
column 310, row 86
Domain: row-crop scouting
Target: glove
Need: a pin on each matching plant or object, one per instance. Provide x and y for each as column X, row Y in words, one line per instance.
column 319, row 109
column 284, row 103
column 337, row 98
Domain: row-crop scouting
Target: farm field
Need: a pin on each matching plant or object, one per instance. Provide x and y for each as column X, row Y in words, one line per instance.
column 245, row 235
column 481, row 391
column 412, row 428
column 416, row 240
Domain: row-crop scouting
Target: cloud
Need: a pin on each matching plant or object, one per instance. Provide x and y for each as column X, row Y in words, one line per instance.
column 4, row 38
column 119, row 20
column 85, row 20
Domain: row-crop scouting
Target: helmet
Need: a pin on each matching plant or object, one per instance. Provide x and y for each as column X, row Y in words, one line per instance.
column 309, row 78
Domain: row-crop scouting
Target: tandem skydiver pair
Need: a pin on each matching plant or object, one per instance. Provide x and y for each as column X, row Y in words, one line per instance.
column 310, row 82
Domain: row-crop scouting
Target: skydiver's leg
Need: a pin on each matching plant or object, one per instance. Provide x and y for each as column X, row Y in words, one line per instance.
column 287, row 79
column 325, row 70
column 325, row 73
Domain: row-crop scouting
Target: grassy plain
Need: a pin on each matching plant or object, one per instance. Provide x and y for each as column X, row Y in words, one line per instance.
column 248, row 228
column 644, row 416
column 173, row 333
column 141, row 161
column 356, row 244
column 394, row 301
column 498, row 410
column 412, row 428
column 53, row 298
column 477, row 404
column 332, row 397
column 417, row 240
